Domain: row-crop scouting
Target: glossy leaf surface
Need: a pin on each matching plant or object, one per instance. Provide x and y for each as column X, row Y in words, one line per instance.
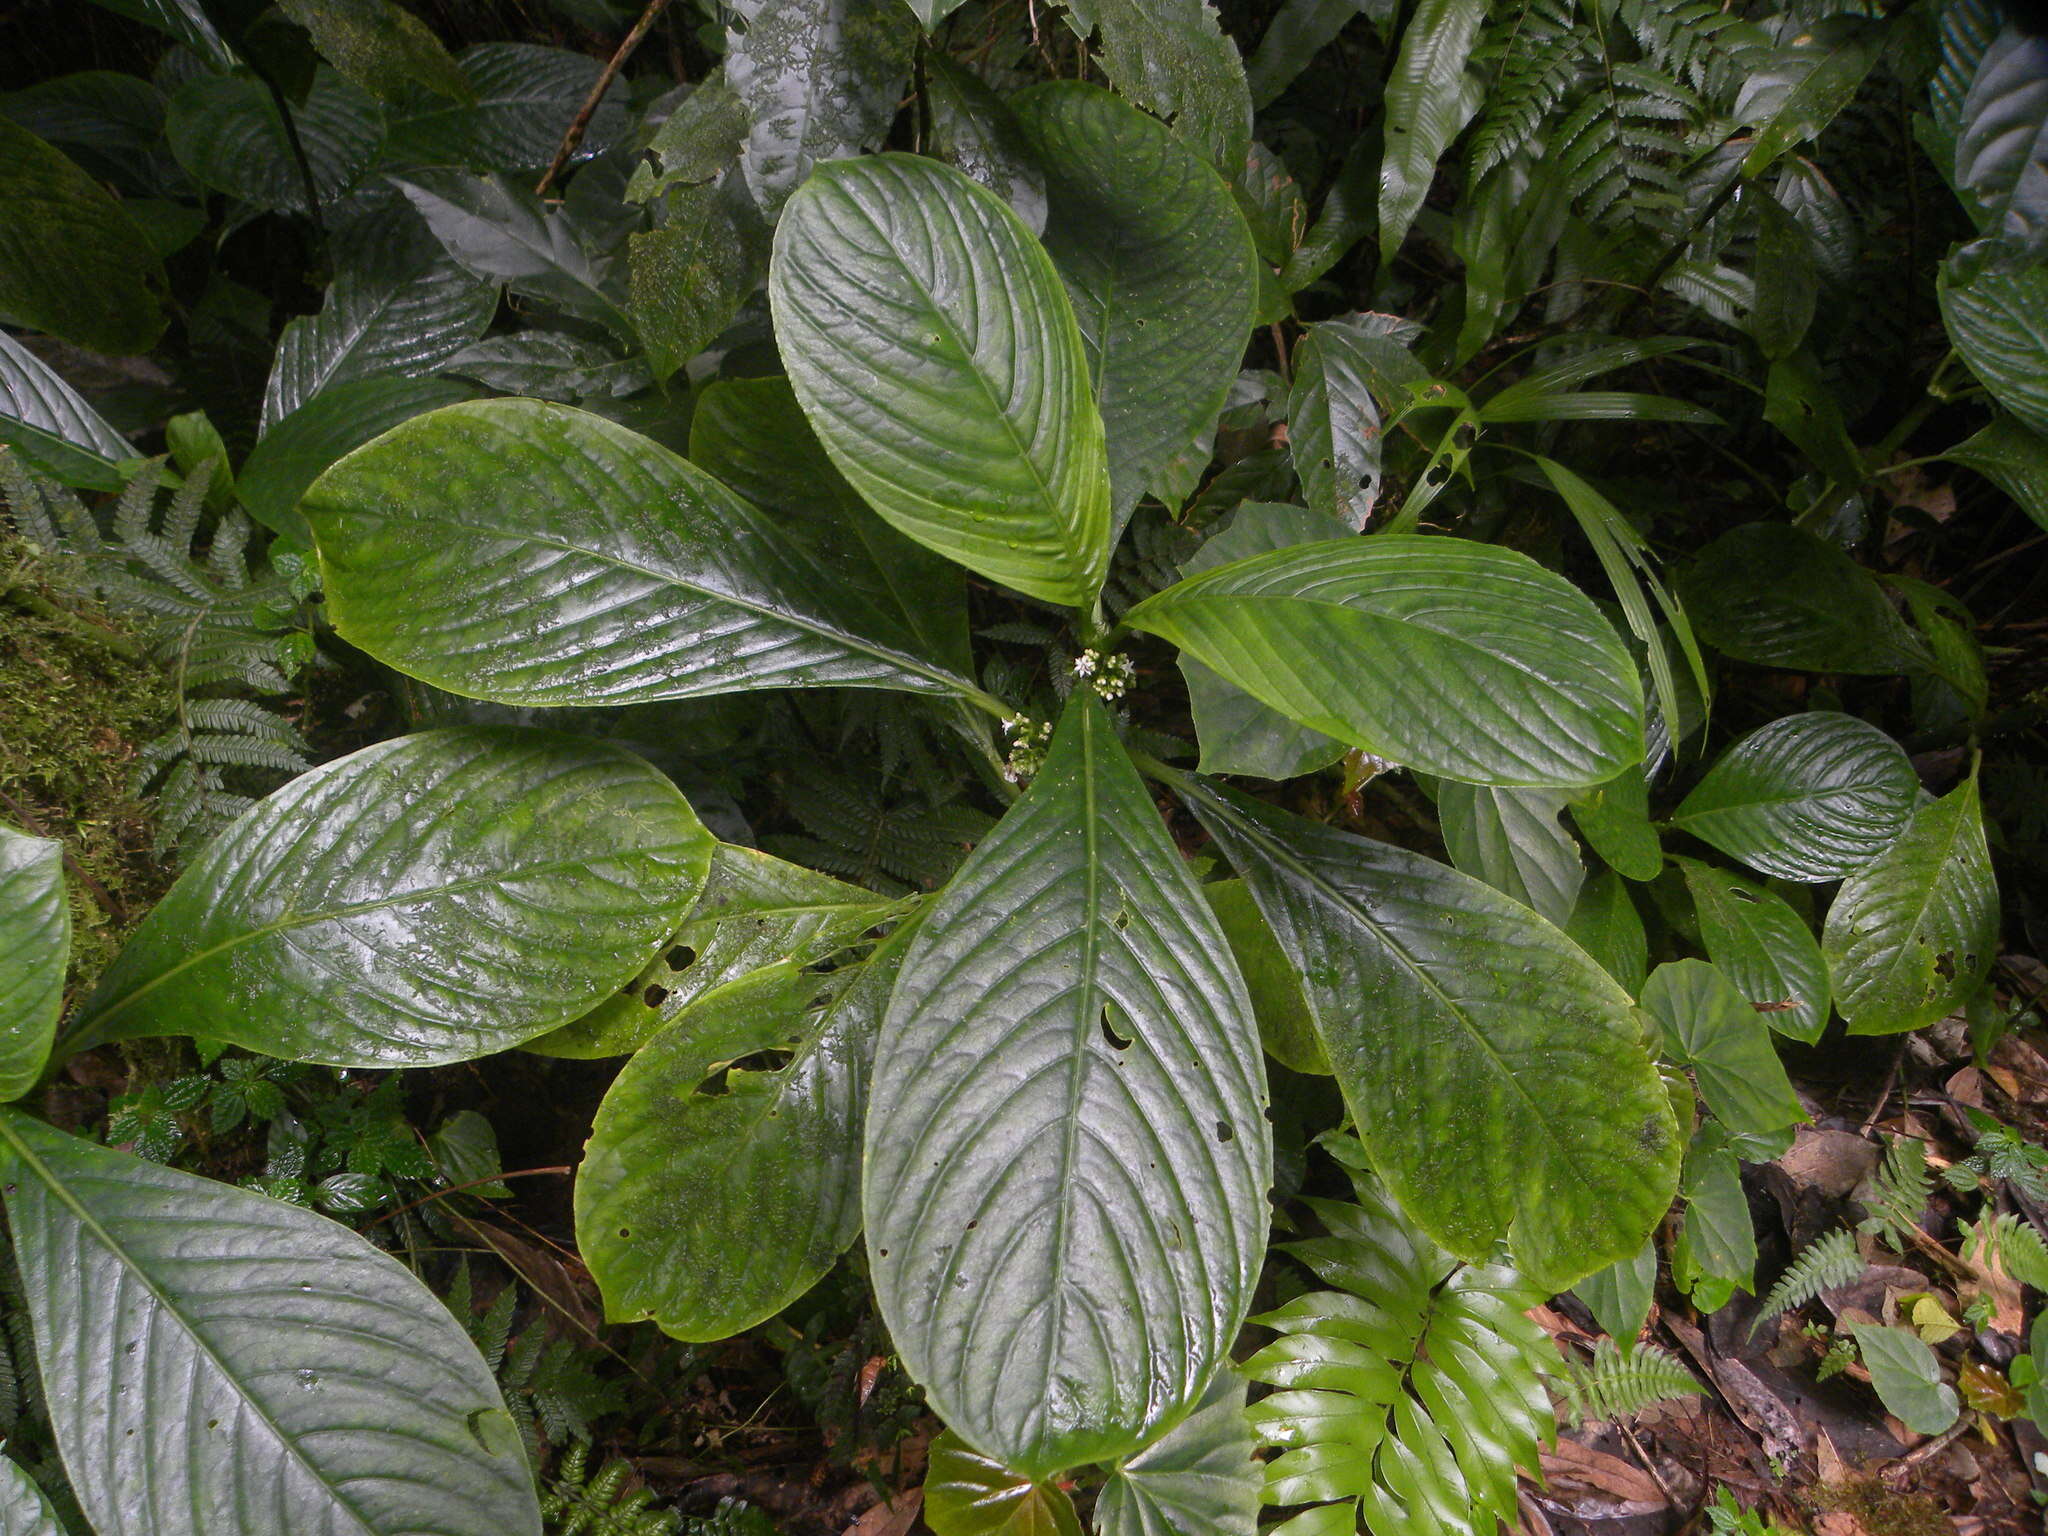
column 371, row 328
column 1779, row 596
column 2013, row 458
column 1912, row 932
column 35, row 948
column 1457, row 659
column 1429, row 99
column 1999, row 323
column 1170, row 58
column 221, row 1364
column 1514, row 840
column 1158, row 265
column 1810, row 797
column 934, row 350
column 1067, row 1157
column 1198, row 1479
column 1763, row 947
column 967, row 1494
column 49, row 424
column 522, row 99
column 1496, row 1073
column 1713, row 1029
column 1333, row 425
column 431, row 898
column 226, row 131
column 529, row 553
column 23, row 1509
column 2002, row 150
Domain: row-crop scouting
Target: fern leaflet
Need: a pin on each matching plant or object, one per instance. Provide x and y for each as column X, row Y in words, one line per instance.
column 2013, row 1245
column 1829, row 1261
column 1899, row 1191
column 1616, row 1383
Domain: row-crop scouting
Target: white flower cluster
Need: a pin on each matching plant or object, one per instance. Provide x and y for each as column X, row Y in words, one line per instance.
column 1028, row 741
column 1111, row 674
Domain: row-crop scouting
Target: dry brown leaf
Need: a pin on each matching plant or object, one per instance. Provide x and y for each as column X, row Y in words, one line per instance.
column 894, row 1518
column 1577, row 1470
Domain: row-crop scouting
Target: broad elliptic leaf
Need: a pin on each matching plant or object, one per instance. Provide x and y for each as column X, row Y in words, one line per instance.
column 1514, row 840
column 2002, row 150
column 722, row 1176
column 1998, row 322
column 1778, row 596
column 1237, row 733
column 550, row 365
column 1713, row 1029
column 935, row 352
column 695, row 143
column 23, row 1509
column 1715, row 1254
column 1763, row 947
column 72, row 262
column 1067, row 1155
column 432, row 898
column 1160, row 268
column 1817, row 75
column 1429, row 99
column 967, row 1494
column 524, row 552
column 524, row 98
column 226, row 131
column 1810, row 797
column 1907, row 1377
column 1198, row 1479
column 217, row 1363
column 339, row 419
column 377, row 328
column 35, row 947
column 1457, row 659
column 1171, row 58
column 757, row 911
column 1787, row 282
column 48, row 423
column 1912, row 933
column 1605, row 924
column 1333, row 425
column 1496, row 1074
column 2013, row 458
column 820, row 80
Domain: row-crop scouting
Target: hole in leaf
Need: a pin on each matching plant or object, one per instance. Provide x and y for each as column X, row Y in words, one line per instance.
column 1121, row 921
column 654, row 996
column 1436, row 474
column 1741, row 895
column 1109, row 1032
column 625, row 1231
column 1465, row 435
column 681, row 957
column 1945, row 965
column 973, row 1224
column 1224, row 1132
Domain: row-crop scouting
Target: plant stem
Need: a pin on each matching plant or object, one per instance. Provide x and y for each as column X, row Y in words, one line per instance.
column 581, row 124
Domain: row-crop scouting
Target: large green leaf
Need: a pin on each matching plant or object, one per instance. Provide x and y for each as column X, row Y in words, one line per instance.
column 1514, row 840
column 47, row 422
column 1907, row 1376
column 722, row 1175
column 340, row 418
column 687, row 279
column 35, row 947
column 1810, row 797
column 381, row 46
column 820, row 79
column 1237, row 733
column 221, row 1364
column 1067, row 1158
column 1779, row 596
column 1429, row 99
column 1912, row 933
column 431, row 898
column 72, row 262
column 377, row 328
column 975, row 131
column 226, row 130
column 23, row 1509
column 967, row 1494
column 524, row 97
column 1198, row 1479
column 1615, row 819
column 1457, row 659
column 757, row 911
column 533, row 554
column 1763, row 947
column 935, row 352
column 1333, row 426
column 1712, row 1028
column 1496, row 1074
column 2002, row 149
column 1172, row 58
column 1813, row 78
column 1158, row 264
column 2013, row 458
column 1999, row 323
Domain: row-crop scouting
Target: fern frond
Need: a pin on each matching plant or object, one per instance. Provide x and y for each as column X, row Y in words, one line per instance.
column 1615, row 1384
column 1414, row 1388
column 2013, row 1245
column 1899, row 1190
column 1829, row 1261
column 578, row 1504
column 1535, row 57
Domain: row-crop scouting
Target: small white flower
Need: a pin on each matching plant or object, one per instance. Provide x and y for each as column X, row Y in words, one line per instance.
column 1085, row 663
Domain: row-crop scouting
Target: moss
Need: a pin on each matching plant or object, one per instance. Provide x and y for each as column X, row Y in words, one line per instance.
column 81, row 697
column 1882, row 1512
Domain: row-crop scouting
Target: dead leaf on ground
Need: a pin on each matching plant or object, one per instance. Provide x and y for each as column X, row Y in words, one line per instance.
column 894, row 1518
column 1574, row 1474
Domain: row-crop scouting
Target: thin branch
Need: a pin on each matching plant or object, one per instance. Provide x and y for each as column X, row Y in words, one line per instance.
column 581, row 125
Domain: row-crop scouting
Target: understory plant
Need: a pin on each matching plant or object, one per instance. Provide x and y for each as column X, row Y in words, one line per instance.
column 1146, row 531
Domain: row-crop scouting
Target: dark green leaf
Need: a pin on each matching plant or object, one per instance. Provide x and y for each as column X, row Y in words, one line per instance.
column 46, row 422
column 1763, row 947
column 1715, row 1254
column 1810, row 797
column 1333, row 426
column 722, row 1175
column 967, row 1494
column 2014, row 459
column 522, row 99
column 1615, row 818
column 597, row 568
column 1605, row 924
column 35, row 947
column 1429, row 99
column 820, row 80
column 464, row 1148
column 975, row 131
column 225, row 130
column 1171, row 58
column 381, row 46
column 1514, row 841
column 71, row 260
column 431, row 898
column 1506, row 673
column 1285, row 1026
column 688, row 278
column 1827, row 64
column 695, row 142
column 1198, row 1479
column 184, row 20
column 1999, row 323
column 217, row 1361
column 1496, row 1074
column 1711, row 1028
column 1779, row 596
column 1299, row 30
column 1067, row 1157
column 1799, row 402
column 1158, row 264
column 1912, row 933
column 2002, row 149
column 550, row 365
column 1787, row 282
column 1907, row 1376
column 934, row 350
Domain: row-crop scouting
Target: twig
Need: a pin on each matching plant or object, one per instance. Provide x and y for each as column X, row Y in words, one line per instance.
column 456, row 1189
column 1884, row 1092
column 588, row 110
column 1648, row 1465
